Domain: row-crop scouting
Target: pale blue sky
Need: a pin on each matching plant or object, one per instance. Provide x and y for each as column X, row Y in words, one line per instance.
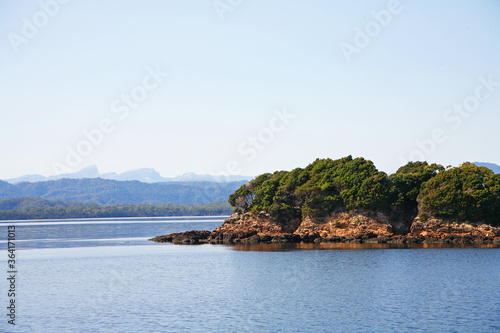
column 228, row 77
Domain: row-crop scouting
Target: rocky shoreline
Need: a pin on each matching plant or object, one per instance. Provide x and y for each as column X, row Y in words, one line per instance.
column 343, row 227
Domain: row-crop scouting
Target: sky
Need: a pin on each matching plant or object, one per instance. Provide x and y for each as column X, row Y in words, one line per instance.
column 246, row 87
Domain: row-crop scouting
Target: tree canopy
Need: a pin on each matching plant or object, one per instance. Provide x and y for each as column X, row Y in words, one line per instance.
column 408, row 181
column 322, row 187
column 325, row 186
column 467, row 192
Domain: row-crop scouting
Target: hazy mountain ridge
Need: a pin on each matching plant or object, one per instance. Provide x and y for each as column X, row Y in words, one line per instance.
column 110, row 192
column 494, row 167
column 146, row 175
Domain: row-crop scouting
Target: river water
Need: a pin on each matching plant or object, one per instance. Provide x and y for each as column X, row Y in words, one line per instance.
column 104, row 276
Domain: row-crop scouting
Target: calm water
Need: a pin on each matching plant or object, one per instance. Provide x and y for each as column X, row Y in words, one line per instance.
column 104, row 276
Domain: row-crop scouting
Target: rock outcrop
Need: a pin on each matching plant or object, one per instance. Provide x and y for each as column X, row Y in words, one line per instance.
column 188, row 237
column 345, row 227
column 437, row 230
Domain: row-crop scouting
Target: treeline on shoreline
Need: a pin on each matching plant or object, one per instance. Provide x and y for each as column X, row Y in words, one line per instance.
column 108, row 211
column 465, row 193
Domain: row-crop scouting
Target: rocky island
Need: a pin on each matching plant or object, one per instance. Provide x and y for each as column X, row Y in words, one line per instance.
column 350, row 201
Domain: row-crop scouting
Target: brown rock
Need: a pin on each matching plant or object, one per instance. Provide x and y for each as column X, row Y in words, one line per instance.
column 342, row 226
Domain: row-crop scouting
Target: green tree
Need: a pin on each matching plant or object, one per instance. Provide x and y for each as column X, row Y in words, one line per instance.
column 467, row 192
column 408, row 181
column 317, row 190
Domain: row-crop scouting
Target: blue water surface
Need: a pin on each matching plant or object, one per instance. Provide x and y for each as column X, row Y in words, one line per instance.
column 104, row 276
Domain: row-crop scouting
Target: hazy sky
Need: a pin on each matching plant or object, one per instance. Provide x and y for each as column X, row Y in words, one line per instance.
column 252, row 86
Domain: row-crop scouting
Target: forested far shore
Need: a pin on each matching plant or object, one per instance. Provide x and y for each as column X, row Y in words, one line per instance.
column 111, row 192
column 108, row 211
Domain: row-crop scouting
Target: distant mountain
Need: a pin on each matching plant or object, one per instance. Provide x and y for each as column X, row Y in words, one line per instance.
column 27, row 178
column 88, row 172
column 193, row 177
column 146, row 175
column 494, row 167
column 110, row 192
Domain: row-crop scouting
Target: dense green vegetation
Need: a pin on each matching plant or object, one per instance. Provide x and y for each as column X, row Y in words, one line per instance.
column 322, row 187
column 95, row 211
column 408, row 182
column 466, row 192
column 110, row 192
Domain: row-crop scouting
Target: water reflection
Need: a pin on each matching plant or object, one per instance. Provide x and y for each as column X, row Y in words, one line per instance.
column 119, row 232
column 276, row 247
